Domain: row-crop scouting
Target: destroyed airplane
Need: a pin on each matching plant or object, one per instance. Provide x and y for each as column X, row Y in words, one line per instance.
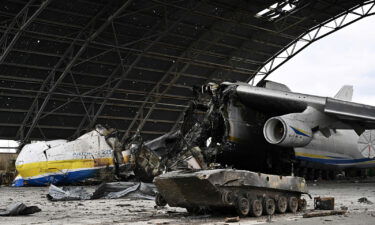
column 267, row 129
column 66, row 162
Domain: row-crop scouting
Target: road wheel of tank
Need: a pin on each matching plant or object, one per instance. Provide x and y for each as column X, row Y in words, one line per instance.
column 256, row 208
column 268, row 206
column 159, row 200
column 302, row 204
column 281, row 204
column 242, row 206
column 228, row 197
column 292, row 204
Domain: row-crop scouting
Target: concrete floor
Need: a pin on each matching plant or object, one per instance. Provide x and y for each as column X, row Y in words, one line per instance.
column 124, row 211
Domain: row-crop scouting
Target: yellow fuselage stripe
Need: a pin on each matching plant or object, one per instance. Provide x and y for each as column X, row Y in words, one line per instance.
column 312, row 155
column 45, row 167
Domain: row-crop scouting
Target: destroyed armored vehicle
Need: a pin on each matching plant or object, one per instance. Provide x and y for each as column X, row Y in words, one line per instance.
column 249, row 193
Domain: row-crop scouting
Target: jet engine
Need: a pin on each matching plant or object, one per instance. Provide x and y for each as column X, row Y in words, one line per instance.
column 287, row 132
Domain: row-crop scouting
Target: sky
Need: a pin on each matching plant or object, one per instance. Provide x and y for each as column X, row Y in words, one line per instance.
column 345, row 57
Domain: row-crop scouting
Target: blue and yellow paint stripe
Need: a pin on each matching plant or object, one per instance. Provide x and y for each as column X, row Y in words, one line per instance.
column 300, row 132
column 333, row 160
column 61, row 171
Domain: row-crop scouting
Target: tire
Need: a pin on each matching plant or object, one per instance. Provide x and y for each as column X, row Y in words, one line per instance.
column 256, row 208
column 228, row 198
column 302, row 204
column 242, row 206
column 281, row 204
column 292, row 204
column 268, row 206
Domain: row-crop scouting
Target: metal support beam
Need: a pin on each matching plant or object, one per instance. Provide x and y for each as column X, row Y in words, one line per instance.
column 175, row 78
column 46, row 83
column 23, row 21
column 111, row 79
column 312, row 35
column 72, row 62
column 135, row 62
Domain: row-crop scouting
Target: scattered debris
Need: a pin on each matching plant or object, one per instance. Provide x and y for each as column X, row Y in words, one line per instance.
column 232, row 219
column 18, row 209
column 106, row 190
column 123, row 205
column 67, row 193
column 138, row 190
column 327, row 203
column 324, row 213
column 344, row 208
column 365, row 200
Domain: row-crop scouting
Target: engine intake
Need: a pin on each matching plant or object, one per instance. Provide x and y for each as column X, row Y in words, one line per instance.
column 287, row 132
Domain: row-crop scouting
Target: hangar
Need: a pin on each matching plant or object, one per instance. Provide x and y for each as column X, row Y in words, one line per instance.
column 131, row 64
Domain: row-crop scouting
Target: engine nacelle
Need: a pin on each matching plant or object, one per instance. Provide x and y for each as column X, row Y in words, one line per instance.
column 287, row 132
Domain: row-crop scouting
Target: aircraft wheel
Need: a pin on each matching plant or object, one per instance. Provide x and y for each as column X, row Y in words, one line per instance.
column 292, row 204
column 256, row 208
column 159, row 200
column 281, row 204
column 243, row 206
column 268, row 206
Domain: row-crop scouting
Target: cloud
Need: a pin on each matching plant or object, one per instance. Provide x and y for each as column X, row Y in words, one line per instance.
column 344, row 57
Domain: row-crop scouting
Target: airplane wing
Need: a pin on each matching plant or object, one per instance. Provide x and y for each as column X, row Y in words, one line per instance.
column 281, row 102
column 350, row 112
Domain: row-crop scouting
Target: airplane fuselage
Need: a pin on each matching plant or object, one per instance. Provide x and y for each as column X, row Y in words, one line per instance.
column 338, row 151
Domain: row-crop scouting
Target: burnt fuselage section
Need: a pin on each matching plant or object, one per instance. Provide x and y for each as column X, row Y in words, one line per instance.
column 218, row 130
column 237, row 130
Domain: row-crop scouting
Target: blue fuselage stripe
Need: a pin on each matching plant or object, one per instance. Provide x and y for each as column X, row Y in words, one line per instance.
column 62, row 179
column 335, row 161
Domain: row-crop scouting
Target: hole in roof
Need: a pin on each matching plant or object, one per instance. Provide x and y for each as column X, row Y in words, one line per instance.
column 278, row 9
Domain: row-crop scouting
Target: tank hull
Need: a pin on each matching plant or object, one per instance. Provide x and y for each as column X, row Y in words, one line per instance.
column 223, row 188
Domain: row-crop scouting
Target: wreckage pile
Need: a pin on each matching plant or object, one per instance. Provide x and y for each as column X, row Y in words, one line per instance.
column 217, row 131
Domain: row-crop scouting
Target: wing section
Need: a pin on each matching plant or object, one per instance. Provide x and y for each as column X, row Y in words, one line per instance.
column 268, row 100
column 352, row 113
column 348, row 114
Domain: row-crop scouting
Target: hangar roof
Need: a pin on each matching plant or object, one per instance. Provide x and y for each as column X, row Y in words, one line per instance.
column 131, row 64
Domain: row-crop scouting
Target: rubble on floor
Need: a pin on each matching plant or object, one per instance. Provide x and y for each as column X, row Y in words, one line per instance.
column 18, row 209
column 111, row 190
column 365, row 200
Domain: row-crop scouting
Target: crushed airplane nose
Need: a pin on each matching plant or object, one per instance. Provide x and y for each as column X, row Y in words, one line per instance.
column 64, row 162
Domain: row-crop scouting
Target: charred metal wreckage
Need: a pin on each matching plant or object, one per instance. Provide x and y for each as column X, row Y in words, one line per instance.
column 215, row 133
column 266, row 129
